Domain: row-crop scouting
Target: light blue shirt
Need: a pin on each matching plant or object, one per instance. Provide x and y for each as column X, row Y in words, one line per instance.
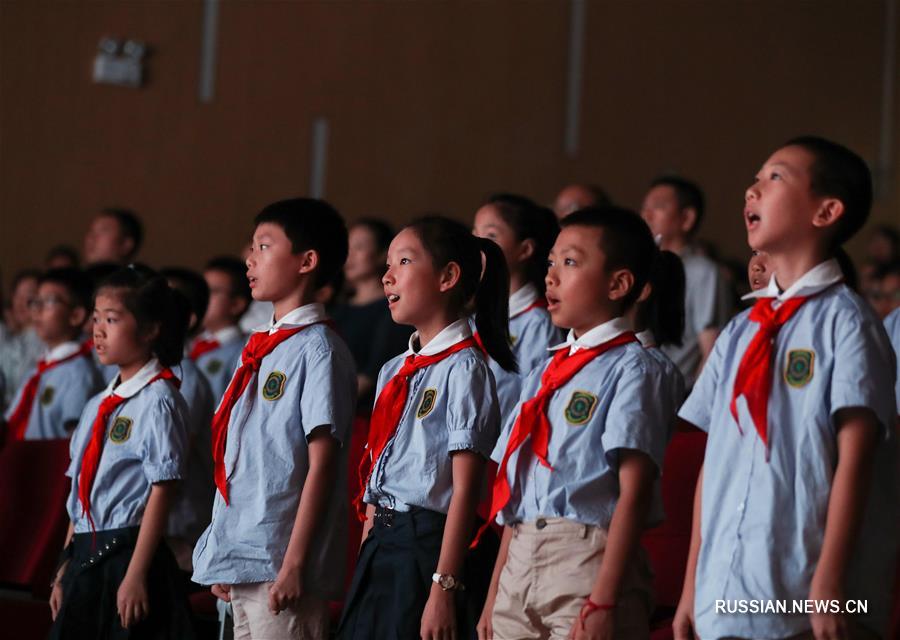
column 451, row 406
column 762, row 522
column 145, row 444
column 61, row 395
column 532, row 333
column 190, row 512
column 892, row 325
column 610, row 404
column 671, row 396
column 218, row 365
column 306, row 382
column 706, row 306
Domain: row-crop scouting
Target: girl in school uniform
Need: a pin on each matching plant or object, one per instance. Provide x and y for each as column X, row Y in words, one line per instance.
column 435, row 421
column 117, row 578
column 525, row 232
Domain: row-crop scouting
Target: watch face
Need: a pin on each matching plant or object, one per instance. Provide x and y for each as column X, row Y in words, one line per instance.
column 447, row 582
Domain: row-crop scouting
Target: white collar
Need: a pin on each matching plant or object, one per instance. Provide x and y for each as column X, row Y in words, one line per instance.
column 222, row 336
column 62, row 351
column 449, row 336
column 307, row 314
column 136, row 382
column 522, row 299
column 817, row 279
column 646, row 338
column 596, row 336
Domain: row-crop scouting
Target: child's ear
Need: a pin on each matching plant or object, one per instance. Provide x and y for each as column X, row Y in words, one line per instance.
column 621, row 282
column 526, row 249
column 449, row 276
column 645, row 292
column 309, row 260
column 689, row 219
column 829, row 212
column 77, row 317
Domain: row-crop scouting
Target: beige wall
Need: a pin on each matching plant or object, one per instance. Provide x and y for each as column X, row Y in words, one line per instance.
column 432, row 105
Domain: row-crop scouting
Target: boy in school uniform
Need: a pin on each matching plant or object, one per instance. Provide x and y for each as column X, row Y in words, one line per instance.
column 578, row 459
column 797, row 498
column 674, row 207
column 277, row 542
column 52, row 397
column 217, row 350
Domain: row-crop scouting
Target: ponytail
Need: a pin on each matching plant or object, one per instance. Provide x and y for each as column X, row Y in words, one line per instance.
column 148, row 297
column 663, row 311
column 492, row 305
column 483, row 280
column 851, row 277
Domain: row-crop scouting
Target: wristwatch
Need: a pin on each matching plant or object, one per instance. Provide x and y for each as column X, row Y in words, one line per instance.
column 447, row 582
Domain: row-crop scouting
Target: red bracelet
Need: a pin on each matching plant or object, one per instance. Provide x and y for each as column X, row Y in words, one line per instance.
column 590, row 607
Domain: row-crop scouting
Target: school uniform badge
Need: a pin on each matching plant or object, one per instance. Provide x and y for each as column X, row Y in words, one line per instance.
column 47, row 395
column 581, row 407
column 274, row 386
column 121, row 430
column 213, row 366
column 799, row 368
column 426, row 404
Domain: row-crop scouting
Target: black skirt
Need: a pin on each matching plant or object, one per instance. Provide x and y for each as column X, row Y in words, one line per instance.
column 392, row 580
column 91, row 583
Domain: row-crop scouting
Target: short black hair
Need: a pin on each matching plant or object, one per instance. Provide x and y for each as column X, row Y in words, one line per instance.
column 688, row 194
column 63, row 251
column 75, row 281
column 129, row 224
column 311, row 224
column 236, row 270
column 838, row 172
column 193, row 287
column 626, row 242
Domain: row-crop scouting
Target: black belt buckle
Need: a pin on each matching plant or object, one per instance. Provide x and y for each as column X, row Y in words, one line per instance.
column 384, row 517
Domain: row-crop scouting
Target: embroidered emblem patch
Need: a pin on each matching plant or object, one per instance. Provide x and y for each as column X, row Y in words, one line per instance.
column 121, row 430
column 426, row 404
column 799, row 368
column 274, row 386
column 213, row 366
column 47, row 395
column 581, row 407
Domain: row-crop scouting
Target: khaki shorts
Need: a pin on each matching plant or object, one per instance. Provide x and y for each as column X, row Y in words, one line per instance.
column 550, row 569
column 308, row 620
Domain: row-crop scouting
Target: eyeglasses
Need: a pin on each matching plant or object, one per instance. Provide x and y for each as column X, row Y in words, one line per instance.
column 36, row 304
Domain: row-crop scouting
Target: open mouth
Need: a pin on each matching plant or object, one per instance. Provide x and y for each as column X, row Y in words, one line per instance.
column 752, row 219
column 392, row 298
column 252, row 280
column 552, row 303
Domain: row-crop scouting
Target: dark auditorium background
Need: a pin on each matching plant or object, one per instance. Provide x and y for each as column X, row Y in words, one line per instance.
column 429, row 105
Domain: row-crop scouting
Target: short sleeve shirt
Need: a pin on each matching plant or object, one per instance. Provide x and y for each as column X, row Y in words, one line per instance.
column 307, row 382
column 145, row 443
column 763, row 520
column 609, row 405
column 451, row 406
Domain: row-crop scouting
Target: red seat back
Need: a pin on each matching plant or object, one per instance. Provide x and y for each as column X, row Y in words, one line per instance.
column 667, row 545
column 33, row 518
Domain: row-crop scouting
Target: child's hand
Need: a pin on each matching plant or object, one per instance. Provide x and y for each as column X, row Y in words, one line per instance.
column 683, row 624
column 597, row 626
column 132, row 601
column 485, row 629
column 827, row 626
column 56, row 599
column 286, row 590
column 439, row 619
column 222, row 592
